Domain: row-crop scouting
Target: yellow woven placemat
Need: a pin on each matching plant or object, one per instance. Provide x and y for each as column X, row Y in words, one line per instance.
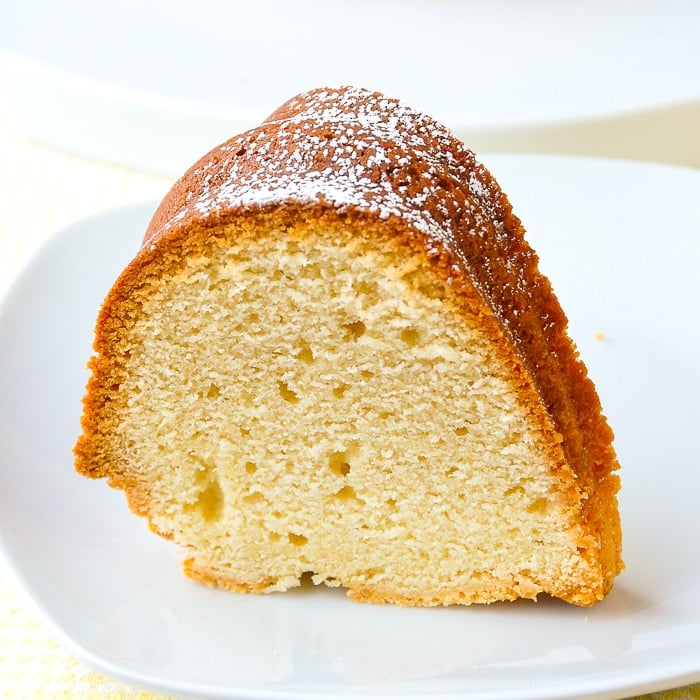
column 41, row 191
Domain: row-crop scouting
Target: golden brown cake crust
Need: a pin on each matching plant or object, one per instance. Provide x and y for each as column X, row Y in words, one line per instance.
column 348, row 154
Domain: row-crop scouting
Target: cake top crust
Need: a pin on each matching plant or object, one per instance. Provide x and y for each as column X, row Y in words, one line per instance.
column 351, row 149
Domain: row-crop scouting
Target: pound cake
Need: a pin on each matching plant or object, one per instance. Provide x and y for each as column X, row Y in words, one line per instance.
column 334, row 358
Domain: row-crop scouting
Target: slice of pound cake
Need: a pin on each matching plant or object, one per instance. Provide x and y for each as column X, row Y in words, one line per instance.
column 334, row 356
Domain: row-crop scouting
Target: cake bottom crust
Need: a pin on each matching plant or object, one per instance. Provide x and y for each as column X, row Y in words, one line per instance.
column 486, row 591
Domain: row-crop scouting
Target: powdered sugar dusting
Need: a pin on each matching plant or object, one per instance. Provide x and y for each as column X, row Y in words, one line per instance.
column 348, row 148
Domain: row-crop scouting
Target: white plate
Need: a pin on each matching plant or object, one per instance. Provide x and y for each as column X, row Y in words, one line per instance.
column 620, row 242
